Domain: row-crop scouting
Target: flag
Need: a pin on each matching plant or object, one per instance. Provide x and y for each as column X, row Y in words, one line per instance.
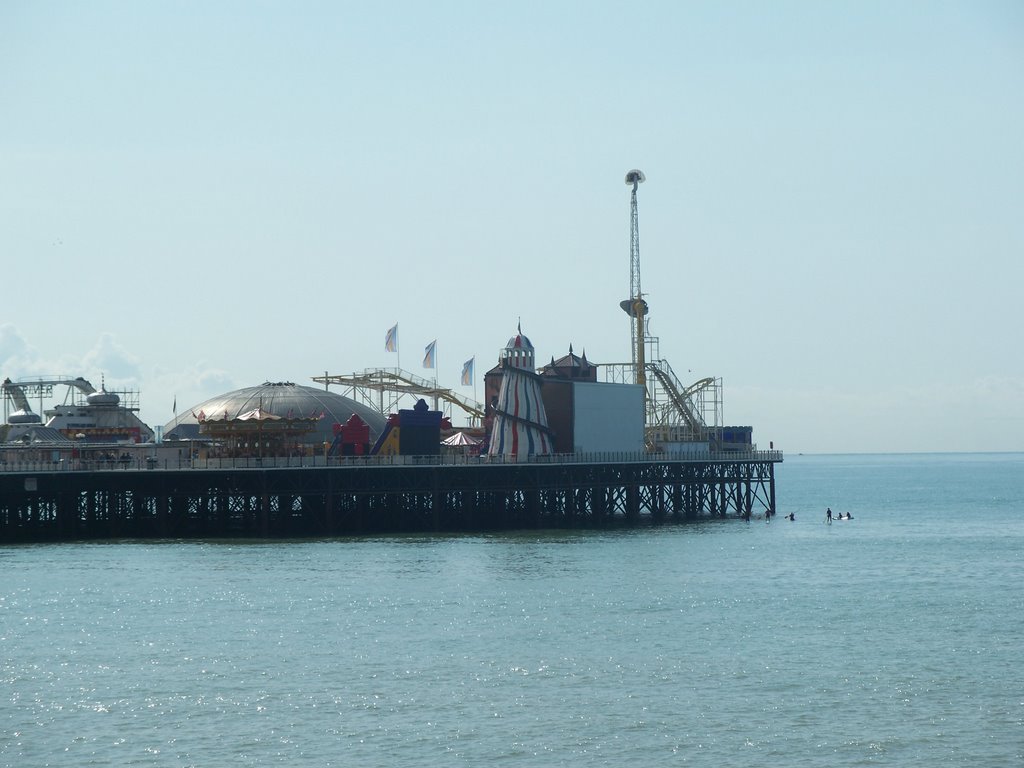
column 174, row 408
column 467, row 371
column 391, row 339
column 428, row 358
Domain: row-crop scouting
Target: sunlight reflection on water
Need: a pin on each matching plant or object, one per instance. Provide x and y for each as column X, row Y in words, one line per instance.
column 722, row 643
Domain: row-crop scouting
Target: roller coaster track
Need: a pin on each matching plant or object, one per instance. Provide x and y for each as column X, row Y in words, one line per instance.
column 673, row 411
column 679, row 396
column 670, row 403
column 398, row 383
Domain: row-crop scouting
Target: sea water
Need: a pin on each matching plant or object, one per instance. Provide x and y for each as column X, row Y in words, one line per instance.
column 895, row 638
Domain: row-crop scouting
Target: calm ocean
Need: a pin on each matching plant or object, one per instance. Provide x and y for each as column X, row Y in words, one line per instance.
column 896, row 638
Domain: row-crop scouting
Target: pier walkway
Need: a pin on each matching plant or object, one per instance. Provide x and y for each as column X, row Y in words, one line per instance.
column 319, row 497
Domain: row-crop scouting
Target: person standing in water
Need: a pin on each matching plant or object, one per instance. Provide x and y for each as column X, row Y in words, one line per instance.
column 828, row 515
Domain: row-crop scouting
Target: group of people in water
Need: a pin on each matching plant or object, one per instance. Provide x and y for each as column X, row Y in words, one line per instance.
column 768, row 517
column 829, row 517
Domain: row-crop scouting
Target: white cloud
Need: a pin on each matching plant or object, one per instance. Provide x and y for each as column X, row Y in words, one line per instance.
column 111, row 359
column 20, row 359
column 14, row 350
column 166, row 388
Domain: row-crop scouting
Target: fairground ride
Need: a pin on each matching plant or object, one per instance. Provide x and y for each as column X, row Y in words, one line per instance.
column 385, row 389
column 674, row 412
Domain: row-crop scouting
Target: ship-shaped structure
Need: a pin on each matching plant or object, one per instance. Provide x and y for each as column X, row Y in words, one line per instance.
column 87, row 415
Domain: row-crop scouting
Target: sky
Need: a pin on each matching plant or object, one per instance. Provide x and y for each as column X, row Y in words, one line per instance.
column 201, row 196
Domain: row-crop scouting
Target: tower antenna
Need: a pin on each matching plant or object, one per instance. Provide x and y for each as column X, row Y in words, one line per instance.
column 635, row 306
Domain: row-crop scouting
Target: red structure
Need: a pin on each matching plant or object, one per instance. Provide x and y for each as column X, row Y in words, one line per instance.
column 351, row 438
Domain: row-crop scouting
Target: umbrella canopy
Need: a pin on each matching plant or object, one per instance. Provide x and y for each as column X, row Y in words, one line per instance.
column 257, row 414
column 460, row 438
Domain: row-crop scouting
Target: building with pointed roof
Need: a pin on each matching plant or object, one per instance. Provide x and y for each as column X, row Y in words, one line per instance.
column 587, row 416
column 570, row 366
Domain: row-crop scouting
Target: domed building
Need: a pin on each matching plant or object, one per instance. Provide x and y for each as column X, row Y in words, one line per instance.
column 283, row 399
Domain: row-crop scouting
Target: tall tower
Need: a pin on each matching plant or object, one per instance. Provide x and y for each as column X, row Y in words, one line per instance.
column 635, row 306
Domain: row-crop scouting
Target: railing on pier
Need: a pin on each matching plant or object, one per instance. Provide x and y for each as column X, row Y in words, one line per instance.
column 298, row 462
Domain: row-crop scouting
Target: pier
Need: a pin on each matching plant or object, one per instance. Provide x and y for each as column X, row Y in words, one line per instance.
column 314, row 498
